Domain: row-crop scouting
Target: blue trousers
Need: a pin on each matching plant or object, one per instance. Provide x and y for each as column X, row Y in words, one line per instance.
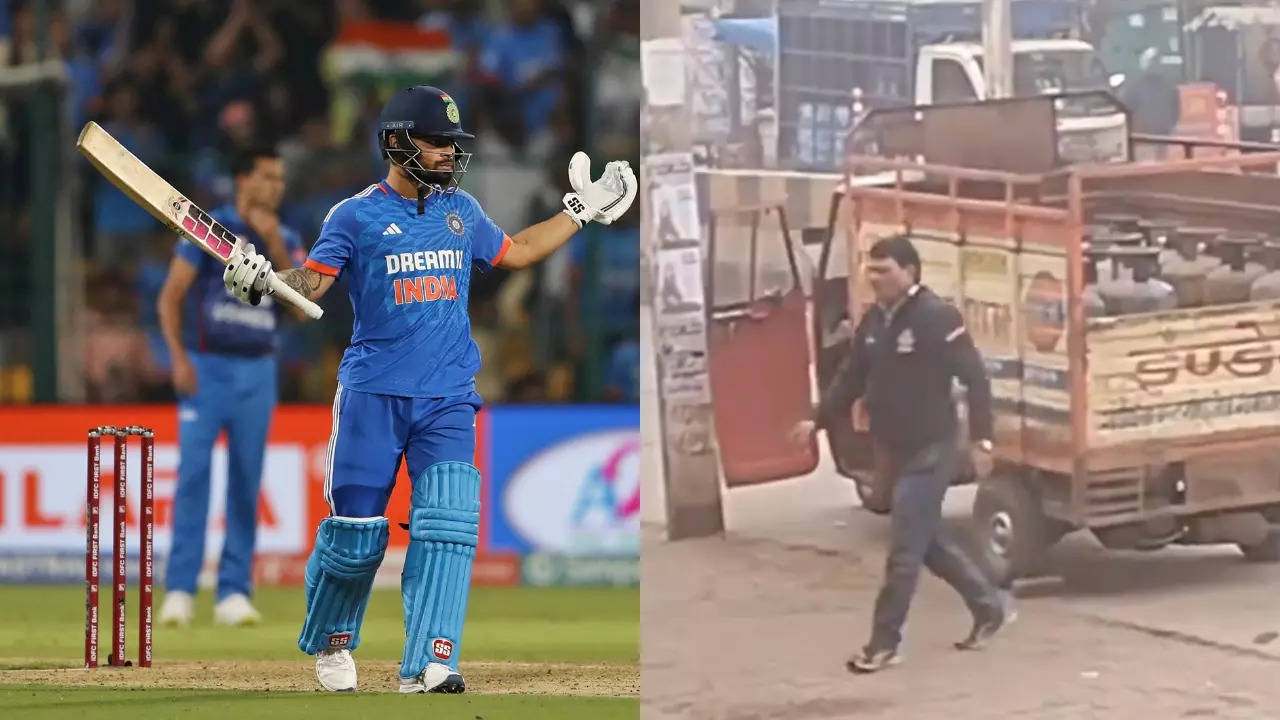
column 237, row 395
column 370, row 435
column 918, row 539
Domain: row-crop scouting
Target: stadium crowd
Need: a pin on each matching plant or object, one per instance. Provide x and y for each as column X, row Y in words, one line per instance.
column 183, row 83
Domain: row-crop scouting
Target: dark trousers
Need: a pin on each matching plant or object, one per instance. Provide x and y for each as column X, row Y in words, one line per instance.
column 919, row 538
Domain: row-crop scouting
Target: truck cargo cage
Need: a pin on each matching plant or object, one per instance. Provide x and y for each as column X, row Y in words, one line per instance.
column 1146, row 428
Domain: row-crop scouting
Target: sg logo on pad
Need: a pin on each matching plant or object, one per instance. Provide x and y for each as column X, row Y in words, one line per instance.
column 441, row 648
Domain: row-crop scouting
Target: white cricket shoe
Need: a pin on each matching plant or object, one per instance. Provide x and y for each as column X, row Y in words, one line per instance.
column 336, row 670
column 235, row 610
column 177, row 610
column 436, row 678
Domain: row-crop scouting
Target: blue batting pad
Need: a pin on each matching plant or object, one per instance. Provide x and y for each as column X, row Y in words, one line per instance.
column 444, row 526
column 339, row 577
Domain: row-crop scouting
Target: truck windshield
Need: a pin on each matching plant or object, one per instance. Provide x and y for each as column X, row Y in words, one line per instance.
column 1043, row 72
column 1039, row 72
column 1052, row 71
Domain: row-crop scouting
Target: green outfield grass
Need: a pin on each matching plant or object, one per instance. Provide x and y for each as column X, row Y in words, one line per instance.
column 40, row 702
column 592, row 627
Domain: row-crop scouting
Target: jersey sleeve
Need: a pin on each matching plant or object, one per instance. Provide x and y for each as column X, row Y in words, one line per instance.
column 188, row 251
column 337, row 239
column 489, row 243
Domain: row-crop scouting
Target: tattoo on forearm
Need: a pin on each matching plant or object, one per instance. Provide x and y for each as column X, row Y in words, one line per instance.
column 305, row 280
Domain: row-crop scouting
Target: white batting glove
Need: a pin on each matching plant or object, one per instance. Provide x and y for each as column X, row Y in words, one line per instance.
column 248, row 274
column 604, row 200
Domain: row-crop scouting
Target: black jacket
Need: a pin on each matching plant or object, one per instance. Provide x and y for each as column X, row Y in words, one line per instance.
column 905, row 370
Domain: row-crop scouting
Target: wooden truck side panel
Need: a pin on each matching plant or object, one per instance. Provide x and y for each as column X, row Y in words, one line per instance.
column 1185, row 375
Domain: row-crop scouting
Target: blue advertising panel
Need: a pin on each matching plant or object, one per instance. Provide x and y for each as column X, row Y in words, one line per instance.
column 564, row 480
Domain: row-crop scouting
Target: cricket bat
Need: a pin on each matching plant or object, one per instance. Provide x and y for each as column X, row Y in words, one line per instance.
column 169, row 206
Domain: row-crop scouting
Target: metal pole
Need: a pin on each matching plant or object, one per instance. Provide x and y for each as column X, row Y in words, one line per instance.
column 997, row 48
column 44, row 180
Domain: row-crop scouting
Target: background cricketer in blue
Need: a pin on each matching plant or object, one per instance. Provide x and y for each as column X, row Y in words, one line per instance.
column 225, row 378
column 406, row 384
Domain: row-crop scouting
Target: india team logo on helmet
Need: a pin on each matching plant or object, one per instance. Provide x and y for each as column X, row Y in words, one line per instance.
column 451, row 109
column 455, row 224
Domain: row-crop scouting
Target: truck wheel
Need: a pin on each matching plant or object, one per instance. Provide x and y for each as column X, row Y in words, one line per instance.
column 1267, row 551
column 874, row 494
column 1012, row 531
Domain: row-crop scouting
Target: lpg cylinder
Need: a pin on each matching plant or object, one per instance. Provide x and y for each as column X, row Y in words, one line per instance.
column 1232, row 282
column 1094, row 305
column 1107, row 266
column 1187, row 269
column 1267, row 287
column 1158, row 231
column 1144, row 292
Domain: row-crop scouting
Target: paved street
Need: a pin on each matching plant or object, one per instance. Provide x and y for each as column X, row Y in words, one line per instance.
column 757, row 625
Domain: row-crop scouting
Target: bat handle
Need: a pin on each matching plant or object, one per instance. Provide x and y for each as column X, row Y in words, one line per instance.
column 281, row 290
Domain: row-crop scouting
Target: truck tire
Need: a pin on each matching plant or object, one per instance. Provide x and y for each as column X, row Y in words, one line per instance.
column 874, row 493
column 1267, row 551
column 1011, row 529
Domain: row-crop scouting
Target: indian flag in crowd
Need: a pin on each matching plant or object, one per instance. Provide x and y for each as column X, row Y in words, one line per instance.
column 379, row 49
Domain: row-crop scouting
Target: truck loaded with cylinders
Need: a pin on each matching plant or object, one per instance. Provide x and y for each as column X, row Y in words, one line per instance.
column 1128, row 314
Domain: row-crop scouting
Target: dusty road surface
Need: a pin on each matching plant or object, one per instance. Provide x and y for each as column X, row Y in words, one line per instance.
column 757, row 625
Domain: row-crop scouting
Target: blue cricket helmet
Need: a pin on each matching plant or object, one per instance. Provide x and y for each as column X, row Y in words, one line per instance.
column 426, row 112
column 423, row 110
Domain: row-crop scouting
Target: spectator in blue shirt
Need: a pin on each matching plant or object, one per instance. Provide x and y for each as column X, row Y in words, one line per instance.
column 525, row 61
column 615, row 270
column 118, row 221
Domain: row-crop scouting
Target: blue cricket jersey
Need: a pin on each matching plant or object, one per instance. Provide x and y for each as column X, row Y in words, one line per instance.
column 409, row 277
column 213, row 321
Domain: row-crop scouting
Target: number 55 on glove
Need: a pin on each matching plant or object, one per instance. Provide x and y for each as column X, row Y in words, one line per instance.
column 604, row 200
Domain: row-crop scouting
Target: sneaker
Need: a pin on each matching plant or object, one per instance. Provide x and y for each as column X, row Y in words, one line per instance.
column 235, row 610
column 177, row 609
column 336, row 670
column 985, row 628
column 869, row 661
column 436, row 678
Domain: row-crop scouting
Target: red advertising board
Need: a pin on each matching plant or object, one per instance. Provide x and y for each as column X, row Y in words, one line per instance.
column 42, row 483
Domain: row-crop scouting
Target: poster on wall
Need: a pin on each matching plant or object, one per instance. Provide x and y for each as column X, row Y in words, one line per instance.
column 706, row 73
column 674, row 199
column 662, row 67
column 679, row 294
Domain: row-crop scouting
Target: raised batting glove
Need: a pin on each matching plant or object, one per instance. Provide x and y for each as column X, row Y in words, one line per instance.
column 604, row 200
column 248, row 274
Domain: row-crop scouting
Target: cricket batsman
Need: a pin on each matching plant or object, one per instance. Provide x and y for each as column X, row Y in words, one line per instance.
column 406, row 384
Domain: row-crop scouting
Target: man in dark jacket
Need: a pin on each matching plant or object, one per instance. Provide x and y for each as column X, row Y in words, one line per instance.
column 906, row 351
column 1152, row 98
